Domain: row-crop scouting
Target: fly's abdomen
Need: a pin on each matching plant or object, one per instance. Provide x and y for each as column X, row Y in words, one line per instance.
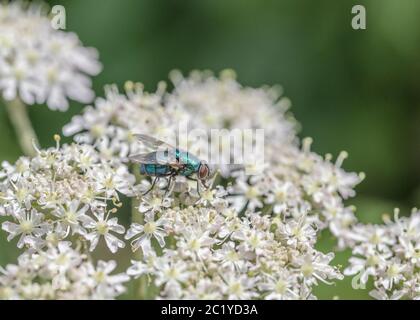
column 157, row 170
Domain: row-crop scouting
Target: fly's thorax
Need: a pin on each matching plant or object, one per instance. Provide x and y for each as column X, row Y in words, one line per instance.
column 189, row 160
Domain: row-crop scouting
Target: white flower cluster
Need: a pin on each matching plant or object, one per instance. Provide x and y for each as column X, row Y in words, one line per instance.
column 390, row 255
column 210, row 252
column 298, row 181
column 39, row 64
column 268, row 222
column 60, row 273
column 222, row 102
column 250, row 235
column 294, row 179
column 66, row 192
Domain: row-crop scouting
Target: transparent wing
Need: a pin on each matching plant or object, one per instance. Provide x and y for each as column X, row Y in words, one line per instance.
column 153, row 143
column 163, row 152
column 146, row 158
column 167, row 157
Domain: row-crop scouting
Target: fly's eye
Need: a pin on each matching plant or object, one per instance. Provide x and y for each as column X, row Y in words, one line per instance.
column 203, row 172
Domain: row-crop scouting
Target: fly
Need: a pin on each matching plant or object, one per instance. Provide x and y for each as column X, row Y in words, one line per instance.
column 168, row 162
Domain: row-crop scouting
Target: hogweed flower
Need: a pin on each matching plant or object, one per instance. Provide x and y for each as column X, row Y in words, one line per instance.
column 251, row 235
column 208, row 250
column 63, row 193
column 390, row 255
column 262, row 226
column 293, row 177
column 39, row 64
column 60, row 272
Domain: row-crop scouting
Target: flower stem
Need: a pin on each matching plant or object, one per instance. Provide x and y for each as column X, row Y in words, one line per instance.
column 18, row 115
column 140, row 287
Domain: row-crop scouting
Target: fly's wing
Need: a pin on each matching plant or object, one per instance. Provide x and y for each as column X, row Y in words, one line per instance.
column 165, row 154
column 166, row 157
column 153, row 143
column 145, row 158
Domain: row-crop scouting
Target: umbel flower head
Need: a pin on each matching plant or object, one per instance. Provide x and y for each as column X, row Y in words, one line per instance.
column 66, row 192
column 292, row 178
column 209, row 251
column 251, row 236
column 390, row 255
column 39, row 64
column 60, row 272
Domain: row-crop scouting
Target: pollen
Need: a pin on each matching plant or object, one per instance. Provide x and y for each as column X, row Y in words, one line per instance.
column 236, row 288
column 281, row 287
column 102, row 227
column 150, row 227
column 71, row 217
column 100, row 276
column 252, row 193
column 26, row 226
column 307, row 269
column 393, row 271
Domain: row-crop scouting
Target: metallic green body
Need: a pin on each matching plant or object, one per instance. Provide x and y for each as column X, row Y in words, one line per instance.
column 190, row 162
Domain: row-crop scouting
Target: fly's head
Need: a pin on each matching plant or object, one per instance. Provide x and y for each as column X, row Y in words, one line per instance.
column 205, row 171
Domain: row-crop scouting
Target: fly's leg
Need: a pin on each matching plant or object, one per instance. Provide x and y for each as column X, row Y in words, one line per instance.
column 168, row 186
column 243, row 210
column 198, row 186
column 153, row 185
column 171, row 175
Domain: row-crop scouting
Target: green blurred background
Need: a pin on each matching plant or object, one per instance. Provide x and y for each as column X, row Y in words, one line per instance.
column 351, row 90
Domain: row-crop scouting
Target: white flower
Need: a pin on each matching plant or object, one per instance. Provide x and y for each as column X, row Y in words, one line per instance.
column 239, row 287
column 366, row 267
column 154, row 203
column 283, row 196
column 388, row 254
column 28, row 224
column 280, row 287
column 249, row 195
column 63, row 258
column 205, row 289
column 195, row 242
column 394, row 274
column 238, row 256
column 113, row 181
column 55, row 196
column 16, row 81
column 144, row 266
column 229, row 257
column 144, row 233
column 315, row 266
column 292, row 177
column 105, row 284
column 383, row 295
column 171, row 272
column 60, row 273
column 253, row 233
column 72, row 216
column 39, row 64
column 298, row 232
column 102, row 227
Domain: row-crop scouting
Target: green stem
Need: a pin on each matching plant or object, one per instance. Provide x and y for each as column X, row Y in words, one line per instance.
column 18, row 115
column 140, row 286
